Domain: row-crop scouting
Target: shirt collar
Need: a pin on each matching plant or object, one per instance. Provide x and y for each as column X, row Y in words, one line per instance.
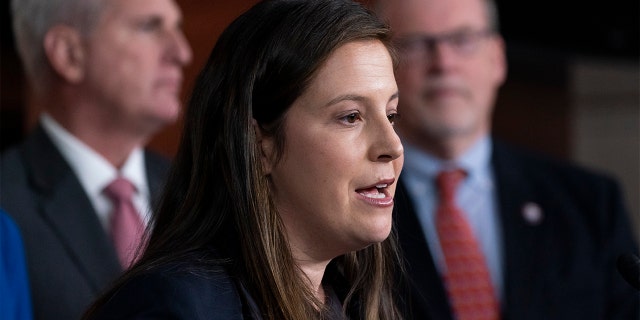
column 475, row 161
column 92, row 169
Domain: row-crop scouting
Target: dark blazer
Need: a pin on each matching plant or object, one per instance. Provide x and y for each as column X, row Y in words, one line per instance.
column 69, row 255
column 192, row 287
column 562, row 267
column 178, row 291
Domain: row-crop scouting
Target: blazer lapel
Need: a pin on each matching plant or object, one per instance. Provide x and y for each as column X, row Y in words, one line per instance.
column 157, row 168
column 67, row 209
column 427, row 290
column 523, row 226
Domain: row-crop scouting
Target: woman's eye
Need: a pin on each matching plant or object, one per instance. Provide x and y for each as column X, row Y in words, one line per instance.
column 393, row 117
column 352, row 117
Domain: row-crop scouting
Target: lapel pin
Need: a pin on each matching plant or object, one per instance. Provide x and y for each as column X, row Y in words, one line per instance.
column 532, row 213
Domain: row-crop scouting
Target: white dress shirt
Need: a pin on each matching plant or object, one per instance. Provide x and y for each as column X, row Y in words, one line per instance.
column 95, row 172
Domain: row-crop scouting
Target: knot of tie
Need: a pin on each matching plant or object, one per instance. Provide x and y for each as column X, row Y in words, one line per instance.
column 120, row 189
column 447, row 182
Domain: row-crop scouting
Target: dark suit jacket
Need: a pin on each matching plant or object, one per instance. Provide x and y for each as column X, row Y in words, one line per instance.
column 69, row 255
column 560, row 268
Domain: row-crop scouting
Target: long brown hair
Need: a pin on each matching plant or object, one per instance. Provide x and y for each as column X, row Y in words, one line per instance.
column 218, row 196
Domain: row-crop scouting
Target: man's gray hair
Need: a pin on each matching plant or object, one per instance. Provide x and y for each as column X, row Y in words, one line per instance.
column 33, row 18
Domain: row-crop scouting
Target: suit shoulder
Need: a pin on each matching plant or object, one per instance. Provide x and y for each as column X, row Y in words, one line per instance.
column 11, row 162
column 553, row 168
column 15, row 187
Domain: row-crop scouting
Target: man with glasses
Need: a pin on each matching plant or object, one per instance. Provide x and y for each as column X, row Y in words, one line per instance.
column 489, row 231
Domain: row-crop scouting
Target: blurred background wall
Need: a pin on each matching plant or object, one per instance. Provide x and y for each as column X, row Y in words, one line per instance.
column 573, row 89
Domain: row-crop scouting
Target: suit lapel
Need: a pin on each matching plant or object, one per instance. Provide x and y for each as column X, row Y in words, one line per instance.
column 428, row 293
column 157, row 168
column 66, row 209
column 524, row 258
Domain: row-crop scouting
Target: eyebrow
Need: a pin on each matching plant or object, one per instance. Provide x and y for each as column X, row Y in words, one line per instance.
column 355, row 97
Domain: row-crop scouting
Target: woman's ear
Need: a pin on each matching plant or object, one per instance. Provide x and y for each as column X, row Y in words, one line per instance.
column 266, row 145
column 63, row 48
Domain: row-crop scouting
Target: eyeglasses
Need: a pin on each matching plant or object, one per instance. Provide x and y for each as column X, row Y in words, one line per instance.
column 421, row 47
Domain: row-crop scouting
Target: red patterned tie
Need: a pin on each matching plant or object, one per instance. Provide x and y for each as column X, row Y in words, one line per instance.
column 466, row 279
column 126, row 226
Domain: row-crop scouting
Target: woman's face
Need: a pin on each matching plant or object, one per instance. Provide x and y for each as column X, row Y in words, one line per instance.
column 335, row 182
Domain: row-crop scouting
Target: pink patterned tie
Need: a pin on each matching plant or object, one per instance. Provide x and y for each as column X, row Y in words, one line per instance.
column 466, row 279
column 126, row 226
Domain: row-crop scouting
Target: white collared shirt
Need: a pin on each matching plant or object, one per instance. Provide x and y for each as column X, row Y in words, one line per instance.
column 95, row 172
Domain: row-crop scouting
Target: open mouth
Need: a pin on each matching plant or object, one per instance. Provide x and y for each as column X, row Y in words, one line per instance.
column 376, row 192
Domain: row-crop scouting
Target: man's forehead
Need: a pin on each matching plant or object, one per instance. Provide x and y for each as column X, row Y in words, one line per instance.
column 408, row 16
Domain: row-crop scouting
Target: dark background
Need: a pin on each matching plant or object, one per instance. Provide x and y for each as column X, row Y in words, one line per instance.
column 543, row 38
column 570, row 27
